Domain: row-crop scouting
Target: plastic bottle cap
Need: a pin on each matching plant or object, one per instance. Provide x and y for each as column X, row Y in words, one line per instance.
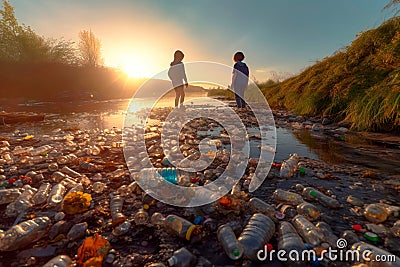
column 279, row 216
column 313, row 193
column 236, row 252
column 357, row 227
column 146, row 206
column 371, row 236
column 270, row 247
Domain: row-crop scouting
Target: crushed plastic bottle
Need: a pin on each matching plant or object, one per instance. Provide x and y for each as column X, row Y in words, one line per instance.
column 98, row 187
column 56, row 194
column 24, row 234
column 122, row 229
column 40, row 150
column 77, row 231
column 375, row 213
column 178, row 225
column 22, row 203
column 257, row 205
column 42, row 194
column 9, row 195
column 313, row 194
column 116, row 204
column 307, row 230
column 375, row 254
column 396, row 228
column 309, row 211
column 258, row 231
column 289, row 166
column 59, row 261
column 287, row 197
column 227, row 239
column 289, row 240
column 182, row 258
column 350, row 237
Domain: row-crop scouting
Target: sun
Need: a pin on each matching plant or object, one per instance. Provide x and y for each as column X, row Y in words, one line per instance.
column 136, row 68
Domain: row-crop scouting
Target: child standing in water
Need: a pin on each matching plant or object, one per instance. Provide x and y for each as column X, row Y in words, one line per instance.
column 240, row 79
column 178, row 77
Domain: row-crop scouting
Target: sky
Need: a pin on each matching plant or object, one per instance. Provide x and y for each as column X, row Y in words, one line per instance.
column 140, row 36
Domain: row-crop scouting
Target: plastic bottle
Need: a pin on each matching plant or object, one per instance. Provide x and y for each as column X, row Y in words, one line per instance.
column 373, row 253
column 57, row 176
column 307, row 230
column 141, row 217
column 59, row 261
column 66, row 159
column 18, row 150
column 182, row 258
column 375, row 213
column 178, row 225
column 8, row 157
column 116, row 204
column 22, row 203
column 257, row 205
column 42, row 194
column 70, row 172
column 258, row 231
column 227, row 239
column 313, row 194
column 56, row 194
column 289, row 240
column 327, row 234
column 350, row 237
column 289, row 166
column 40, row 150
column 288, row 211
column 25, row 233
column 9, row 195
column 122, row 229
column 287, row 197
column 309, row 211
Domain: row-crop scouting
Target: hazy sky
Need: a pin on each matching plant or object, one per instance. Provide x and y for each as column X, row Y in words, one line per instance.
column 280, row 35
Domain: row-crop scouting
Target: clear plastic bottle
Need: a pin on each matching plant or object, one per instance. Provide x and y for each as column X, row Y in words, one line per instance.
column 22, row 203
column 326, row 232
column 59, row 261
column 376, row 255
column 178, row 225
column 116, row 204
column 182, row 258
column 40, row 150
column 258, row 231
column 56, row 194
column 57, row 176
column 257, row 205
column 122, row 229
column 70, row 172
column 287, row 197
column 9, row 195
column 313, row 194
column 24, row 234
column 42, row 194
column 289, row 166
column 375, row 213
column 19, row 150
column 309, row 211
column 66, row 159
column 229, row 242
column 289, row 240
column 141, row 217
column 307, row 230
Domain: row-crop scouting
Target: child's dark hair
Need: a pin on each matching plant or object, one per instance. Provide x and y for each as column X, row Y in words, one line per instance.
column 239, row 56
column 178, row 55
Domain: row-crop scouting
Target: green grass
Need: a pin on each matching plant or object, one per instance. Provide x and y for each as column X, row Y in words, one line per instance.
column 360, row 83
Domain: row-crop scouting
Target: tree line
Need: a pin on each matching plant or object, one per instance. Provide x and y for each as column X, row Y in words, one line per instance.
column 19, row 43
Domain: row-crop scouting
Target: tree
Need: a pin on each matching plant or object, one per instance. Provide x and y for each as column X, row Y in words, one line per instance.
column 19, row 43
column 90, row 49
